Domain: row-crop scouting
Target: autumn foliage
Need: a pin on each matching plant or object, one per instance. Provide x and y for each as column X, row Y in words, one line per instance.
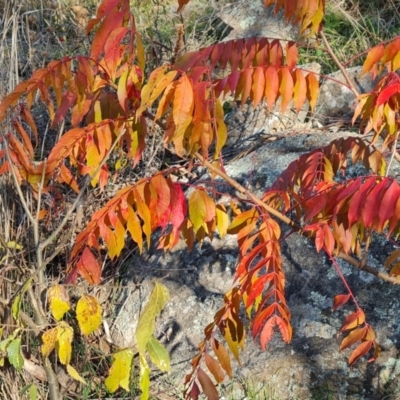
column 110, row 99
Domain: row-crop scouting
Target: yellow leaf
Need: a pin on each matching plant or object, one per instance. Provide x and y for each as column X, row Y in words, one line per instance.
column 222, row 220
column 88, row 314
column 49, row 339
column 120, row 371
column 145, row 328
column 74, row 374
column 158, row 354
column 14, row 245
column 144, row 381
column 59, row 301
column 64, row 340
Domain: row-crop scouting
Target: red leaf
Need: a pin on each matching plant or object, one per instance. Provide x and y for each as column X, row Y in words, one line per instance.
column 387, row 93
column 314, row 205
column 361, row 350
column 372, row 203
column 358, row 200
column 347, row 192
column 105, row 7
column 88, row 267
column 319, row 239
column 110, row 23
column 340, row 300
column 267, row 332
column 194, row 391
column 329, row 240
column 260, row 317
column 68, row 99
column 257, row 288
column 25, row 138
column 207, row 385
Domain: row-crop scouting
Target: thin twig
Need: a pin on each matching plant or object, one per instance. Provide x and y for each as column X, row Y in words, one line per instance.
column 352, row 86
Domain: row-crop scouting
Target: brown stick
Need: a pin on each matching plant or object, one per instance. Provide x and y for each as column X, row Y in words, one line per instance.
column 352, row 86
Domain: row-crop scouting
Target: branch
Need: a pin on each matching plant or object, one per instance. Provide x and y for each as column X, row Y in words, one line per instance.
column 286, row 220
column 339, row 64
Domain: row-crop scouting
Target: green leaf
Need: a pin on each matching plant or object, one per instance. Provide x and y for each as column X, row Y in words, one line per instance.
column 144, row 381
column 145, row 328
column 17, row 301
column 14, row 354
column 31, row 388
column 16, row 306
column 33, row 392
column 120, row 371
column 158, row 354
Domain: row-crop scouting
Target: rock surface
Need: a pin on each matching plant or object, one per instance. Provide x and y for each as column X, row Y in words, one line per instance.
column 252, row 19
column 336, row 100
column 311, row 365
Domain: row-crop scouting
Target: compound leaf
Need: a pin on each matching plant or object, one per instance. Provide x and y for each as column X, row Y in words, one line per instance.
column 145, row 327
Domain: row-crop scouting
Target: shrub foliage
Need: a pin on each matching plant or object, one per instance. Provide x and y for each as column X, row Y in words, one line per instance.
column 104, row 105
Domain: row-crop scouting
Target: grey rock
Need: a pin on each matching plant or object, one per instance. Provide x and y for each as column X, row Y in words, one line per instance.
column 336, row 100
column 311, row 365
column 252, row 19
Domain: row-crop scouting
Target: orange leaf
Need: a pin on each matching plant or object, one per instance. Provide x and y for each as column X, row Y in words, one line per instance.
column 223, row 356
column 268, row 332
column 361, row 350
column 299, row 90
column 285, row 328
column 271, row 86
column 312, row 90
column 201, row 208
column 292, row 54
column 258, row 86
column 353, row 337
column 374, row 55
column 214, row 368
column 340, row 300
column 285, row 87
column 353, row 320
column 183, row 105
